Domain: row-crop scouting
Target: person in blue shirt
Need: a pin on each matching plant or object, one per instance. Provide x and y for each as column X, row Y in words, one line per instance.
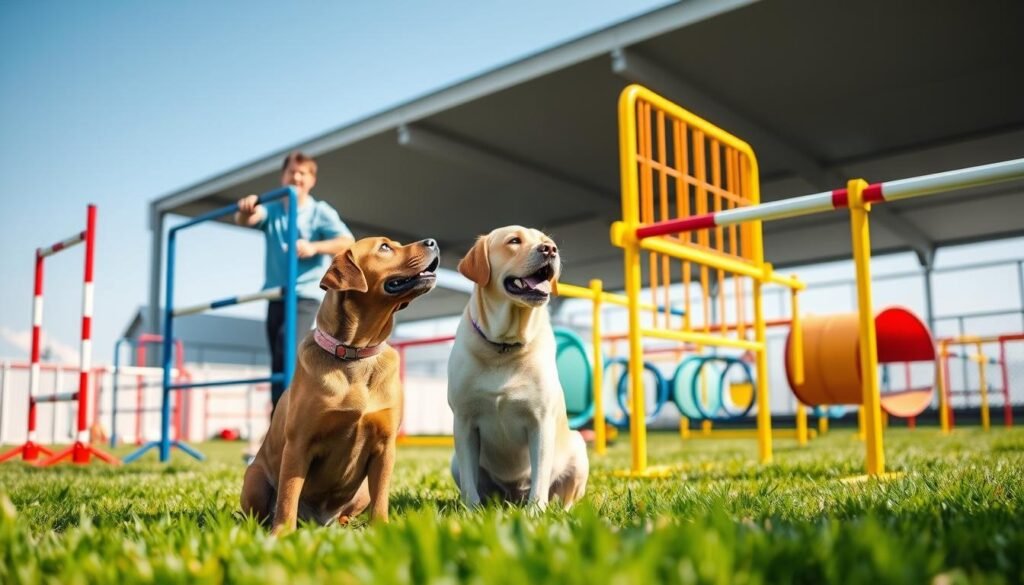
column 322, row 234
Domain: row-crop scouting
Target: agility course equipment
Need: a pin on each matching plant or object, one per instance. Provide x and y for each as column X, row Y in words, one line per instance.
column 170, row 312
column 702, row 390
column 140, row 371
column 981, row 360
column 832, row 375
column 692, row 384
column 674, row 164
column 575, row 375
column 573, row 382
column 640, row 230
column 81, row 451
column 680, row 386
column 716, row 401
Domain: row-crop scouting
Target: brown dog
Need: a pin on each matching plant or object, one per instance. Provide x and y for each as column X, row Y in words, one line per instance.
column 331, row 444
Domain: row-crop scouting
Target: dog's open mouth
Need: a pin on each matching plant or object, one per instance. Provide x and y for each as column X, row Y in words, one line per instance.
column 403, row 284
column 536, row 285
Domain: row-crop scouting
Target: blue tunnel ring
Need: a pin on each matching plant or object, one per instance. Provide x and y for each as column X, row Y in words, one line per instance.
column 662, row 392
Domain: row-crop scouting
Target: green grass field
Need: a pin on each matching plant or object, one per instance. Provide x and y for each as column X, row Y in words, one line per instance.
column 955, row 515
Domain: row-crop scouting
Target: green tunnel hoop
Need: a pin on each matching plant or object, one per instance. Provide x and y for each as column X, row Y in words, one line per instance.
column 685, row 386
column 575, row 375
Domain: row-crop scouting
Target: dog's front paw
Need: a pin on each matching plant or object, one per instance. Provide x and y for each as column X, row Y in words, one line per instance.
column 536, row 507
column 472, row 503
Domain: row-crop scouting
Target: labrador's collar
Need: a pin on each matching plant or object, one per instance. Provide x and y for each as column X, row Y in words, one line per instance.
column 501, row 347
column 344, row 352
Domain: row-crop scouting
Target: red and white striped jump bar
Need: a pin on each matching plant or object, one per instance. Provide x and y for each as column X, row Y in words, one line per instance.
column 271, row 294
column 838, row 199
column 61, row 245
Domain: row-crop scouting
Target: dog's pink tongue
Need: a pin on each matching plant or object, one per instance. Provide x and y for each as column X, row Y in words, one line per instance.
column 538, row 283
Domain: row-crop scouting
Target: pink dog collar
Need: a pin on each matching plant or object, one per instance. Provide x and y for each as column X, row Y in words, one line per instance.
column 344, row 352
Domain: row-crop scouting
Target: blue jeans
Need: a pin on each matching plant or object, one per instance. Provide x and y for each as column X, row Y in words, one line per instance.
column 305, row 317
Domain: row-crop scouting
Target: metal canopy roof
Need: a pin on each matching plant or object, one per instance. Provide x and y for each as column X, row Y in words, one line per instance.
column 823, row 91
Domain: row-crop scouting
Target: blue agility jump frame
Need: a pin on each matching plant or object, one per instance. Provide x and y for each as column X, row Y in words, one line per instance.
column 165, row 443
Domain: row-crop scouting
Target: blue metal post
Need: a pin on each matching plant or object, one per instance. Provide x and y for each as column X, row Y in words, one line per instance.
column 290, row 301
column 168, row 333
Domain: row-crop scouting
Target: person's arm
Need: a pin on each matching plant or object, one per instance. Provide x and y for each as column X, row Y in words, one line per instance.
column 333, row 246
column 250, row 213
column 335, row 237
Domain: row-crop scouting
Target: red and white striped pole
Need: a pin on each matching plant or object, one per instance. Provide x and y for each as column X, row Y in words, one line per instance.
column 81, row 451
column 32, row 449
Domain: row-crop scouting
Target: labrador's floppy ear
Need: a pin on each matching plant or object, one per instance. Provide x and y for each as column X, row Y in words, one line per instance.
column 344, row 274
column 475, row 265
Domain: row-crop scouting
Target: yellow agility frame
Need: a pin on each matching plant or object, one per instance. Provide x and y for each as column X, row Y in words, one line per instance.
column 623, row 235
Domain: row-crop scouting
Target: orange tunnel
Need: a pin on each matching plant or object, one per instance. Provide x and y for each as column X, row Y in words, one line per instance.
column 832, row 360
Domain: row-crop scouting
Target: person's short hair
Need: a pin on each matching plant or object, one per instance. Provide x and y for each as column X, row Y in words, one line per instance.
column 298, row 157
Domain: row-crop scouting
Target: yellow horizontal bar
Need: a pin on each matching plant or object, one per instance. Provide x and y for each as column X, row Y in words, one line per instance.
column 622, row 300
column 702, row 338
column 787, row 281
column 650, row 472
column 574, row 292
column 424, row 441
column 676, row 250
column 578, row 292
column 751, row 434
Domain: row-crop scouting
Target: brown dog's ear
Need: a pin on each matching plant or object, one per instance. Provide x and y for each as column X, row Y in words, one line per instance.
column 476, row 266
column 344, row 274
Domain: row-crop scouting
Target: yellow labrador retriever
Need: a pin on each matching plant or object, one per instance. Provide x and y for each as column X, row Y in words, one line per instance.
column 512, row 436
column 331, row 444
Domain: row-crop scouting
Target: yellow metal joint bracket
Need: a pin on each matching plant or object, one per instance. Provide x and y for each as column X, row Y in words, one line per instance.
column 621, row 236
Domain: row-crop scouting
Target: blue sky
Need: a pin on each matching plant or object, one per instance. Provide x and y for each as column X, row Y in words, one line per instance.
column 118, row 102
